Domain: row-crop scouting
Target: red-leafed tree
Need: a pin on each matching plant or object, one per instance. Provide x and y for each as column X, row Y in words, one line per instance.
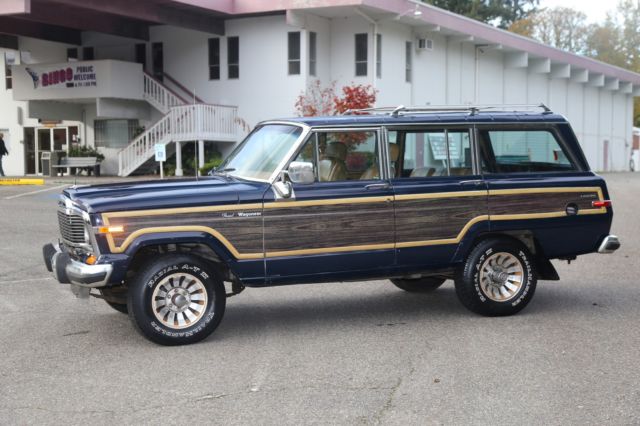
column 355, row 97
column 318, row 100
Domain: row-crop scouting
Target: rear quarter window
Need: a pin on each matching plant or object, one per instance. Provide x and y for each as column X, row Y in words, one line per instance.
column 518, row 151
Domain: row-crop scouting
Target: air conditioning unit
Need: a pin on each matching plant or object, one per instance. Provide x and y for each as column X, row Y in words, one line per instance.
column 424, row 44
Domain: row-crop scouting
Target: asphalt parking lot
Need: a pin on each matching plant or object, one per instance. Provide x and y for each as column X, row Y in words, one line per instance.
column 340, row 353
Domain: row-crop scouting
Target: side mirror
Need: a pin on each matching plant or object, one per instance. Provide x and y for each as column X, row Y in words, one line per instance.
column 301, row 172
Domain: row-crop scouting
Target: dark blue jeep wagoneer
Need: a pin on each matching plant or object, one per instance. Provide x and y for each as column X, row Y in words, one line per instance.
column 485, row 196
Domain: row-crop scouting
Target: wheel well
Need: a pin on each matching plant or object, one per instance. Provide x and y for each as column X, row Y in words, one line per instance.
column 525, row 237
column 200, row 250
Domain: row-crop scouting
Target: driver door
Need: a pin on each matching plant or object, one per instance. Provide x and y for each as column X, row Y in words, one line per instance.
column 340, row 225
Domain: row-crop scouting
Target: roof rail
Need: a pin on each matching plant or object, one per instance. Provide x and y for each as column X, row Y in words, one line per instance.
column 433, row 109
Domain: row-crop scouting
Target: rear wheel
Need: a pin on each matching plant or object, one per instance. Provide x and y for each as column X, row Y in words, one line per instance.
column 497, row 279
column 418, row 285
column 176, row 300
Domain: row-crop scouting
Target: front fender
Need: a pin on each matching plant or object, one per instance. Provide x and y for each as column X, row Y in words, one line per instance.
column 209, row 240
column 244, row 269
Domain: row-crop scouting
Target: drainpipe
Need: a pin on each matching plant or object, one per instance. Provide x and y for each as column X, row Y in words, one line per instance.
column 479, row 49
column 375, row 42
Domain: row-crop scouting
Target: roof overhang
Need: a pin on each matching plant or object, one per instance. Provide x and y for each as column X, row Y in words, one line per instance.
column 65, row 20
column 543, row 58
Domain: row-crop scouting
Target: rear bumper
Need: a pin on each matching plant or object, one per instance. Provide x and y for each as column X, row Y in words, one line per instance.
column 69, row 271
column 609, row 244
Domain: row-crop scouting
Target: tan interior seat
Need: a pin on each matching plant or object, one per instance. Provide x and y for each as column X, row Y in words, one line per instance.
column 374, row 173
column 423, row 172
column 332, row 166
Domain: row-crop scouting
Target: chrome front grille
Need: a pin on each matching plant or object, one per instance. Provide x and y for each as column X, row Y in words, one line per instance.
column 72, row 228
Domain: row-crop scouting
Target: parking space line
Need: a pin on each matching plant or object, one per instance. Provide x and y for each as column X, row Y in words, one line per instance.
column 11, row 197
column 26, row 280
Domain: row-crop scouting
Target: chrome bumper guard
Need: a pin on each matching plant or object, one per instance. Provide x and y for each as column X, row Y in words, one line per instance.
column 610, row 244
column 69, row 271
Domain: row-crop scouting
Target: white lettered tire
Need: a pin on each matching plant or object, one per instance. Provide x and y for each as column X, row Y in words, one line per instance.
column 176, row 300
column 498, row 278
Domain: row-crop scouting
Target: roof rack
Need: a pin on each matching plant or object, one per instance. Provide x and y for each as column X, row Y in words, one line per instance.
column 433, row 109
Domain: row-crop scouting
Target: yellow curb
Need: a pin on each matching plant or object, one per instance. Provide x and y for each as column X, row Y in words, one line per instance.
column 21, row 181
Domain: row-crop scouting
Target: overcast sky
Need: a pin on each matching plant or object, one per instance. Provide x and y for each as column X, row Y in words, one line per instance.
column 595, row 10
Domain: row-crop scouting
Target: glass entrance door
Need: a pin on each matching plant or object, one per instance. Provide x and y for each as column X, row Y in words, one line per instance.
column 39, row 140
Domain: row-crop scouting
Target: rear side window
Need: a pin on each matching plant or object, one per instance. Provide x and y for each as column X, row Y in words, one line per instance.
column 518, row 151
column 430, row 153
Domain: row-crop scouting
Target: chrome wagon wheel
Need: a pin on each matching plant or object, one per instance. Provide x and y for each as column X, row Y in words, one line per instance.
column 501, row 276
column 179, row 301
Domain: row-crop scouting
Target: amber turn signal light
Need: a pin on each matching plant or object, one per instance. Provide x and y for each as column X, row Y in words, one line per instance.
column 110, row 229
column 91, row 260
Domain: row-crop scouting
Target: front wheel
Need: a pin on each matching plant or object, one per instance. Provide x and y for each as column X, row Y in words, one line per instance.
column 497, row 279
column 176, row 300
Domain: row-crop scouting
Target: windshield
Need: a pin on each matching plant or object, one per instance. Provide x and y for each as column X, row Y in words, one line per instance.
column 261, row 152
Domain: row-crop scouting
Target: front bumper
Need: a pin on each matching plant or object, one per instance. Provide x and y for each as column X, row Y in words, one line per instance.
column 609, row 244
column 69, row 271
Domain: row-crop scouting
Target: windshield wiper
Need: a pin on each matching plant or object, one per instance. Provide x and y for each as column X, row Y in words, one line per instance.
column 224, row 172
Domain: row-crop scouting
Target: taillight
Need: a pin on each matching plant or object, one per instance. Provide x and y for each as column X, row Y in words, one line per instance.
column 603, row 203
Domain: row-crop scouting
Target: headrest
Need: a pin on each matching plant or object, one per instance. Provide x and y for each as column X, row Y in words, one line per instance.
column 394, row 152
column 336, row 150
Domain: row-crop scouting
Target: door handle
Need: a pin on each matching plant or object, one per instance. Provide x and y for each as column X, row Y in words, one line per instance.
column 375, row 186
column 475, row 182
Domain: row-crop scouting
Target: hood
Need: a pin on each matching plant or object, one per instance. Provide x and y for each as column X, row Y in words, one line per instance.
column 158, row 194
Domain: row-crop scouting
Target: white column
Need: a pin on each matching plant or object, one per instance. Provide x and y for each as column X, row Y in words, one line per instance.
column 200, row 154
column 179, row 159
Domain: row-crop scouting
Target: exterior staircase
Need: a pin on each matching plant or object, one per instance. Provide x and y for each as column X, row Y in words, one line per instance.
column 181, row 122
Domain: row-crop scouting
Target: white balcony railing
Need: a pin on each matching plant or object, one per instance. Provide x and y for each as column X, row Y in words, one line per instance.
column 159, row 96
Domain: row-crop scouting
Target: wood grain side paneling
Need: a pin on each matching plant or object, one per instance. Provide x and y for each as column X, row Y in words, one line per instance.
column 533, row 203
column 326, row 226
column 244, row 233
column 436, row 219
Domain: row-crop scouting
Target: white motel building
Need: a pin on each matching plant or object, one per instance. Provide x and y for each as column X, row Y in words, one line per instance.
column 122, row 75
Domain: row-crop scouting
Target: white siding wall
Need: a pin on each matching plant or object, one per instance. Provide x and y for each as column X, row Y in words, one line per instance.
column 454, row 72
column 14, row 116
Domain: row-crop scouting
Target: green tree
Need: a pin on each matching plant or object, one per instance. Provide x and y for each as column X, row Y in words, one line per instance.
column 501, row 13
column 616, row 40
column 561, row 27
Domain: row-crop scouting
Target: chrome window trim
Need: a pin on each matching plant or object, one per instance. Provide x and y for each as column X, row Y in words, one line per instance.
column 455, row 127
column 316, row 130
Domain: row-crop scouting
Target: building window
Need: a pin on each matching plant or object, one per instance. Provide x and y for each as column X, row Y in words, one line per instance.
column 9, row 60
column 361, row 54
column 214, row 59
column 157, row 61
column 312, row 53
column 408, row 49
column 72, row 54
column 293, row 55
column 379, row 55
column 88, row 54
column 114, row 133
column 141, row 55
column 233, row 57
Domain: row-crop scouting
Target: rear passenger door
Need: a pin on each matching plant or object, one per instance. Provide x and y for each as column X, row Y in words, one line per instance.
column 440, row 195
